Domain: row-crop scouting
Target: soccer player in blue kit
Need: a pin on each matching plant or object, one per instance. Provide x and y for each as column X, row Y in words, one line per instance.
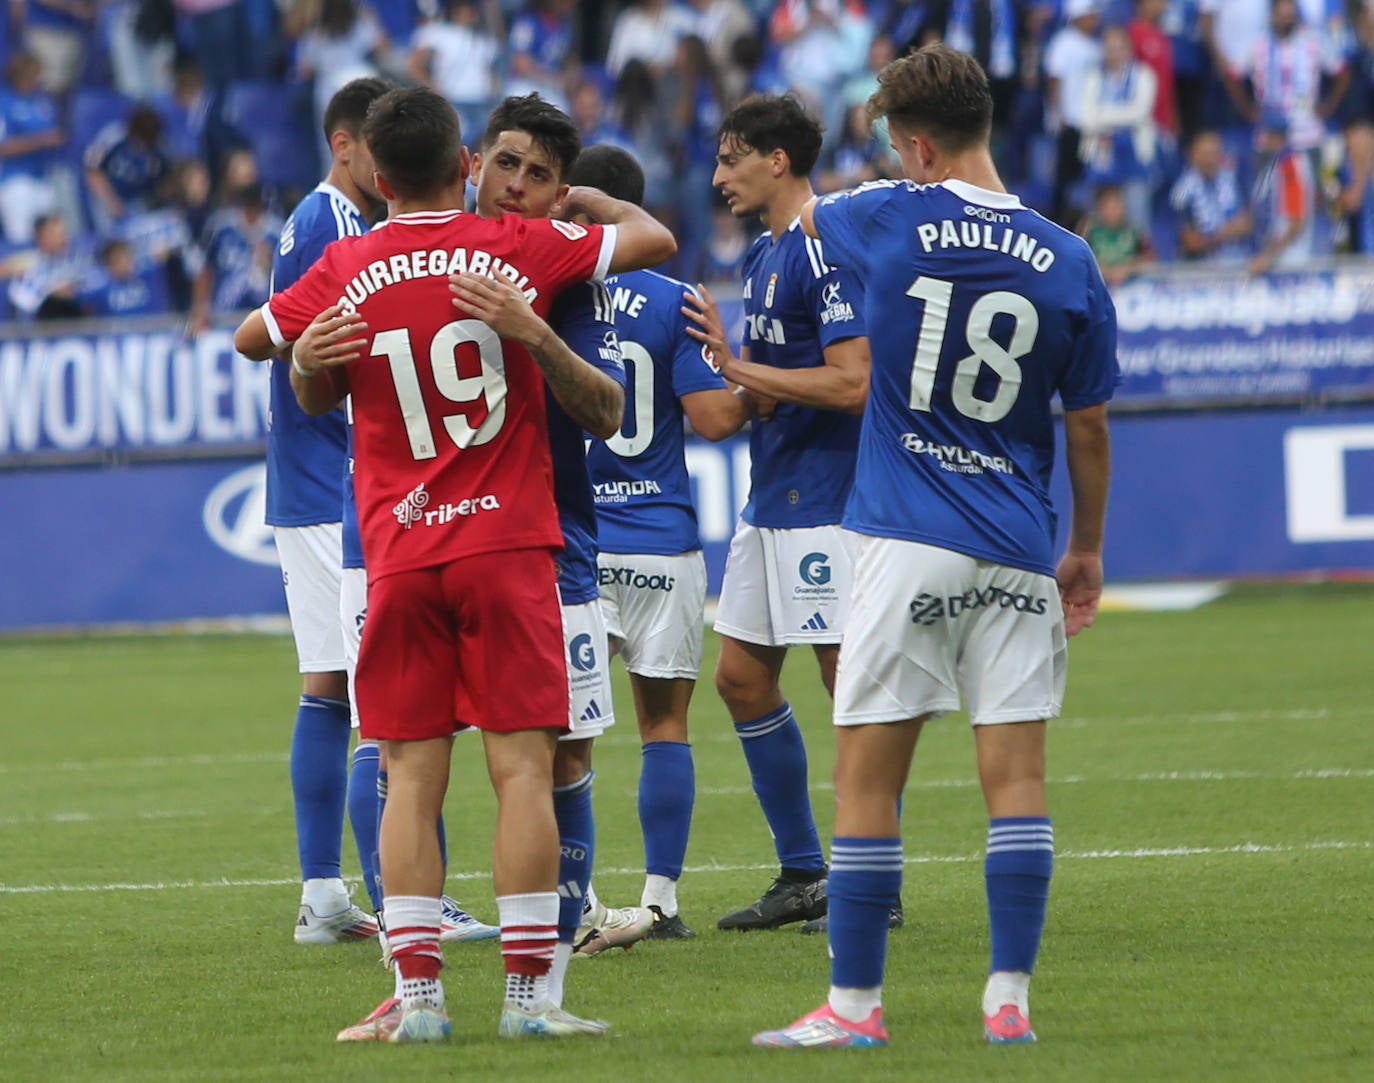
column 981, row 312
column 652, row 571
column 305, row 468
column 788, row 576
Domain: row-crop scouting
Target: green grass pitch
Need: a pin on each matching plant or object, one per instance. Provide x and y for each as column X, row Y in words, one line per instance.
column 1212, row 783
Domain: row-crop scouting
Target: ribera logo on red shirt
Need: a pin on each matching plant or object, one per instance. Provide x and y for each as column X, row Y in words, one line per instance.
column 412, row 509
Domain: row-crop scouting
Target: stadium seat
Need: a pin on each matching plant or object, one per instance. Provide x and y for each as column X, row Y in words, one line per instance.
column 269, row 119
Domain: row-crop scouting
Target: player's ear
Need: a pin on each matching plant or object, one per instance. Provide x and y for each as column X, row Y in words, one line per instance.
column 341, row 145
column 780, row 162
column 383, row 188
column 465, row 161
column 563, row 190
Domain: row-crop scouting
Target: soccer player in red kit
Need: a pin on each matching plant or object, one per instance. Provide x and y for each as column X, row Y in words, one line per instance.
column 455, row 503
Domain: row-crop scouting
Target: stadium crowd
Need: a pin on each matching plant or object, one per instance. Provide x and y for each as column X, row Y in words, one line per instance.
column 148, row 148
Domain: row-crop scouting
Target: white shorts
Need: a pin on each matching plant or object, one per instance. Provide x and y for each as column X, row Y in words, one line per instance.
column 352, row 613
column 654, row 606
column 311, row 562
column 784, row 587
column 929, row 624
column 589, row 673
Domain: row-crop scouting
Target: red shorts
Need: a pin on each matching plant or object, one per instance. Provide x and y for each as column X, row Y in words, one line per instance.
column 477, row 642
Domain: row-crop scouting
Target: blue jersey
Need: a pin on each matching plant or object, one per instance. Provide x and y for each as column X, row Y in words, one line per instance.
column 643, row 493
column 27, row 114
column 795, row 305
column 141, row 294
column 981, row 311
column 305, row 455
column 582, row 318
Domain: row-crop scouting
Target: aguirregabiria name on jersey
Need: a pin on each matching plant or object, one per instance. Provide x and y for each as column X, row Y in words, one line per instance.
column 408, row 266
column 1010, row 242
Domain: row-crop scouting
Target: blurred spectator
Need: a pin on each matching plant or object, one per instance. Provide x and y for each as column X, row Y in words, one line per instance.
column 541, row 57
column 694, row 87
column 56, row 32
column 1232, row 31
column 188, row 113
column 723, row 256
column 988, row 31
column 457, row 57
column 30, row 135
column 167, row 237
column 639, row 111
column 1210, row 204
column 593, row 121
column 1118, row 137
column 125, row 166
column 720, row 23
column 47, row 288
column 856, row 158
column 219, row 35
column 338, row 41
column 118, row 288
column 1285, row 73
column 239, row 242
column 822, row 43
column 1122, row 249
column 1071, row 53
column 1182, row 22
column 1154, row 49
column 649, row 31
column 142, row 44
column 858, row 88
column 1283, row 198
column 902, row 21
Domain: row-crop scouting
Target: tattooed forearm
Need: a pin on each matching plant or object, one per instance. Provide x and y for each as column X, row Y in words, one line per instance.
column 590, row 397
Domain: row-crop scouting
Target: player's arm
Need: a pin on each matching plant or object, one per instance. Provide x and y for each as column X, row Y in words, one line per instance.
column 590, row 397
column 808, row 217
column 720, row 412
column 641, row 240
column 840, row 383
column 253, row 340
column 1087, row 450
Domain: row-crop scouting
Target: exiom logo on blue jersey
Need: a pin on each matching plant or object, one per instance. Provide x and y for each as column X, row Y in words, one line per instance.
column 815, row 569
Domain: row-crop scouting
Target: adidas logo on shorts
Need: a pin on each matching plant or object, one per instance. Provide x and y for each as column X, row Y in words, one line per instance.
column 592, row 713
column 815, row 624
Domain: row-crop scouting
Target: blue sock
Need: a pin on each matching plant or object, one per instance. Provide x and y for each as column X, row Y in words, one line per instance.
column 865, row 884
column 776, row 756
column 362, row 814
column 1019, row 863
column 667, row 791
column 319, row 783
column 572, row 807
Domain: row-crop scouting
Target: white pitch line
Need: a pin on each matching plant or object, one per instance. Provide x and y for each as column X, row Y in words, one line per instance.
column 147, row 763
column 90, row 817
column 1244, row 848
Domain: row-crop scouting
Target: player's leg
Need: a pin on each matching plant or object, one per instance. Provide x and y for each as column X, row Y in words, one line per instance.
column 513, row 685
column 747, row 680
column 660, row 617
column 310, row 558
column 1014, row 664
column 667, row 794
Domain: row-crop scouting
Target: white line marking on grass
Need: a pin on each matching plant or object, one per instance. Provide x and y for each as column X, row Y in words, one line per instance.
column 923, row 859
column 90, row 817
column 146, row 763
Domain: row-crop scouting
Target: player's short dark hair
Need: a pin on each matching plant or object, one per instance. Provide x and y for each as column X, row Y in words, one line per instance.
column 769, row 122
column 347, row 109
column 549, row 127
column 416, row 141
column 938, row 92
column 611, row 169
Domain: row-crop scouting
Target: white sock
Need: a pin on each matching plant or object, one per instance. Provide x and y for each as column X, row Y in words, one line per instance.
column 325, row 895
column 1007, row 987
column 660, row 891
column 855, row 1005
column 428, row 991
column 558, row 971
column 591, row 907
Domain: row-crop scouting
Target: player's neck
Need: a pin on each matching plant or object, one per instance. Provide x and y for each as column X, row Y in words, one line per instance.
column 338, row 178
column 786, row 204
column 973, row 167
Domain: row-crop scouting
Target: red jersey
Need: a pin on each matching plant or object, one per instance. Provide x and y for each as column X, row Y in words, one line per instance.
column 451, row 448
column 1154, row 49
